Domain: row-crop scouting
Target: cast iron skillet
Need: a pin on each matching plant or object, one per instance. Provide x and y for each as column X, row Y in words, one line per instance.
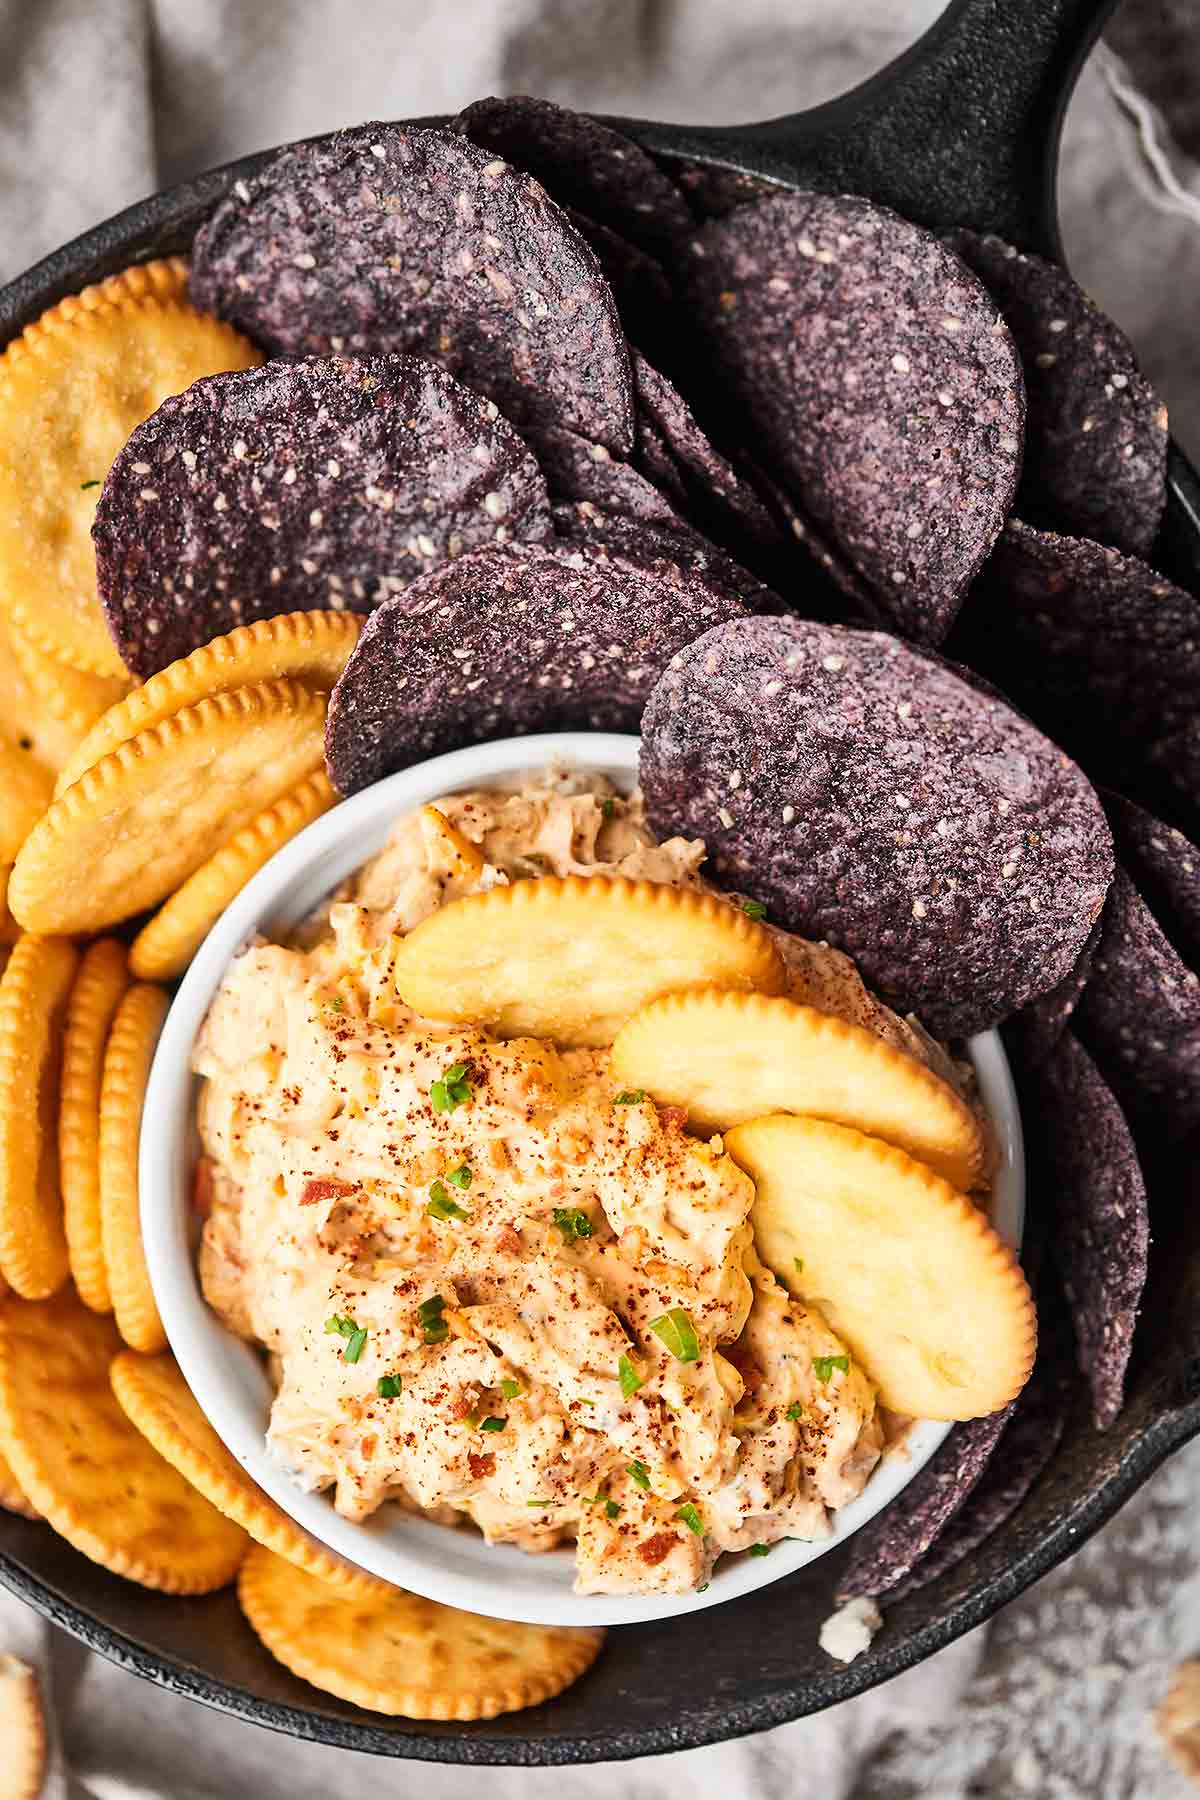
column 963, row 129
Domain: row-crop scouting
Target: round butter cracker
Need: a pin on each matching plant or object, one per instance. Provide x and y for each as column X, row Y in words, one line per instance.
column 401, row 1654
column 33, row 999
column 98, row 987
column 72, row 388
column 155, row 1396
column 151, row 812
column 87, row 1469
column 127, row 1060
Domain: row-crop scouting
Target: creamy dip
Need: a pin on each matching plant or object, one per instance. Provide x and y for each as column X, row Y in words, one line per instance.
column 495, row 1288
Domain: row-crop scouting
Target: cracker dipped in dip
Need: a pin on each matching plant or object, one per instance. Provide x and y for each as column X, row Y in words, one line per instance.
column 497, row 1285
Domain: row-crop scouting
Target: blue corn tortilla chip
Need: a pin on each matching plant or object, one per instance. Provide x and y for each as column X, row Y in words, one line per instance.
column 878, row 386
column 639, row 284
column 1095, row 431
column 1165, row 867
column 578, row 472
column 722, row 501
column 676, row 550
column 388, row 237
column 1139, row 1015
column 1042, row 1021
column 1022, row 1454
column 1172, row 771
column 327, row 482
column 510, row 641
column 1099, row 649
column 584, row 164
column 884, row 1551
column 1100, row 1234
column 872, row 797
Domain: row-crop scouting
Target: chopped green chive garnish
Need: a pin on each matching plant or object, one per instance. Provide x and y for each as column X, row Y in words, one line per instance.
column 754, row 909
column 611, row 1510
column 703, row 1588
column 85, row 485
column 628, row 1376
column 492, row 1423
column 355, row 1335
column 799, row 1262
column 677, row 1332
column 510, row 1388
column 460, row 1177
column 388, row 1386
column 441, row 1206
column 795, row 1411
column 638, row 1472
column 823, row 1366
column 572, row 1222
column 608, row 807
column 539, row 1503
column 337, row 1004
column 430, row 1315
column 691, row 1518
column 630, row 1097
column 760, row 1549
column 451, row 1089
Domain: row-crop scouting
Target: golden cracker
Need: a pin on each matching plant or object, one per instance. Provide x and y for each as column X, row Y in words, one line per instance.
column 127, row 1058
column 26, row 787
column 33, row 1000
column 101, row 981
column 87, row 1469
column 160, row 1403
column 10, row 931
column 910, row 1274
column 72, row 389
column 22, row 1730
column 571, row 958
column 166, row 944
column 400, row 1654
column 12, row 1497
column 309, row 647
column 73, row 697
column 49, row 739
column 135, row 826
column 165, row 278
column 730, row 1057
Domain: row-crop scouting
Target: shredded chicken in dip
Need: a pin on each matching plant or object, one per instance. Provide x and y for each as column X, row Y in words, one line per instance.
column 495, row 1288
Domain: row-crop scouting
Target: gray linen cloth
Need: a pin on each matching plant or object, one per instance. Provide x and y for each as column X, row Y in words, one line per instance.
column 102, row 101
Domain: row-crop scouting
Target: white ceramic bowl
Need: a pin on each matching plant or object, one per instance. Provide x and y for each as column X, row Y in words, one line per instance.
column 228, row 1378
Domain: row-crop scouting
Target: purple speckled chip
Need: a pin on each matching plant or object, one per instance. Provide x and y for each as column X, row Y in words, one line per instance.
column 639, row 284
column 327, row 482
column 888, row 1546
column 870, row 796
column 1096, row 646
column 1101, row 1227
column 390, row 238
column 1165, row 865
column 674, row 551
column 1096, row 432
column 1139, row 1015
column 1022, row 1454
column 582, row 473
column 584, row 164
column 1172, row 765
column 1042, row 1021
column 723, row 501
column 510, row 641
column 877, row 383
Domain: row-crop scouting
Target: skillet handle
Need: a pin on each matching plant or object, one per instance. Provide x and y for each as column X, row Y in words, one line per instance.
column 962, row 129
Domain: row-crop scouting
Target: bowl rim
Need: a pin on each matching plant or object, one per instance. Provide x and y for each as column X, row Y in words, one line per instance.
column 227, row 1377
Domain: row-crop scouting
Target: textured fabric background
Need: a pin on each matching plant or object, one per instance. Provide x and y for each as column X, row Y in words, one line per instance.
column 102, row 101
